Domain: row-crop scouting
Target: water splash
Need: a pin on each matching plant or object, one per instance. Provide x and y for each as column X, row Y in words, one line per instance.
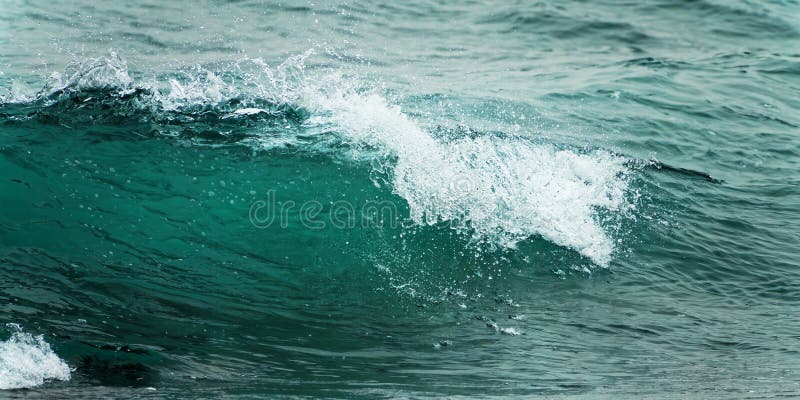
column 502, row 190
column 27, row 361
column 109, row 73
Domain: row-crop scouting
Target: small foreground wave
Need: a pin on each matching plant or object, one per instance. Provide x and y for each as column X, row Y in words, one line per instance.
column 27, row 361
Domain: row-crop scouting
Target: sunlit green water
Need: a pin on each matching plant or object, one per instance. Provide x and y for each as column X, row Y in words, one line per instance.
column 412, row 200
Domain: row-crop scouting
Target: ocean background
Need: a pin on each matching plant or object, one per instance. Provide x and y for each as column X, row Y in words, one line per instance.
column 417, row 199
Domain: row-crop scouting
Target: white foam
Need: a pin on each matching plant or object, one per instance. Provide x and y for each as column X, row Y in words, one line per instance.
column 250, row 111
column 503, row 190
column 511, row 331
column 28, row 361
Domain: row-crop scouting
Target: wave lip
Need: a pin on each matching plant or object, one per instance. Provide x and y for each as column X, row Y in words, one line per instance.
column 27, row 361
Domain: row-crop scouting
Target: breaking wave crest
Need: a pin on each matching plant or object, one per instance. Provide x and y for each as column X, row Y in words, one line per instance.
column 503, row 190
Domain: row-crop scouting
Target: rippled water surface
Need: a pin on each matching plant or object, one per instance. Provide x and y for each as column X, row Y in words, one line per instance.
column 404, row 200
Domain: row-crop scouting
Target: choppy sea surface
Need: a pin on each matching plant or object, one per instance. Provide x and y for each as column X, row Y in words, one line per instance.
column 411, row 199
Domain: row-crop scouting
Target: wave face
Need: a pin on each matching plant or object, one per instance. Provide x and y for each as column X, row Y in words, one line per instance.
column 417, row 199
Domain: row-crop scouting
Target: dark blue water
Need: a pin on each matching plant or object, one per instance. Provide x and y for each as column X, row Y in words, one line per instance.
column 407, row 200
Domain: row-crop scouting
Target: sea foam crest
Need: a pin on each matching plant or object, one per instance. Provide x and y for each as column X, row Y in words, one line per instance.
column 503, row 190
column 28, row 361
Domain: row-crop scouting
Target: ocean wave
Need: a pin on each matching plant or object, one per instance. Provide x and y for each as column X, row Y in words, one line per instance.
column 27, row 361
column 498, row 189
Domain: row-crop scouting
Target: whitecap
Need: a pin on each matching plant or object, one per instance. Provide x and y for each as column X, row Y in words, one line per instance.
column 27, row 361
column 502, row 190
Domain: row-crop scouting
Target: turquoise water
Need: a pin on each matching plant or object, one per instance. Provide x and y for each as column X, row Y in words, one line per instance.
column 404, row 200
